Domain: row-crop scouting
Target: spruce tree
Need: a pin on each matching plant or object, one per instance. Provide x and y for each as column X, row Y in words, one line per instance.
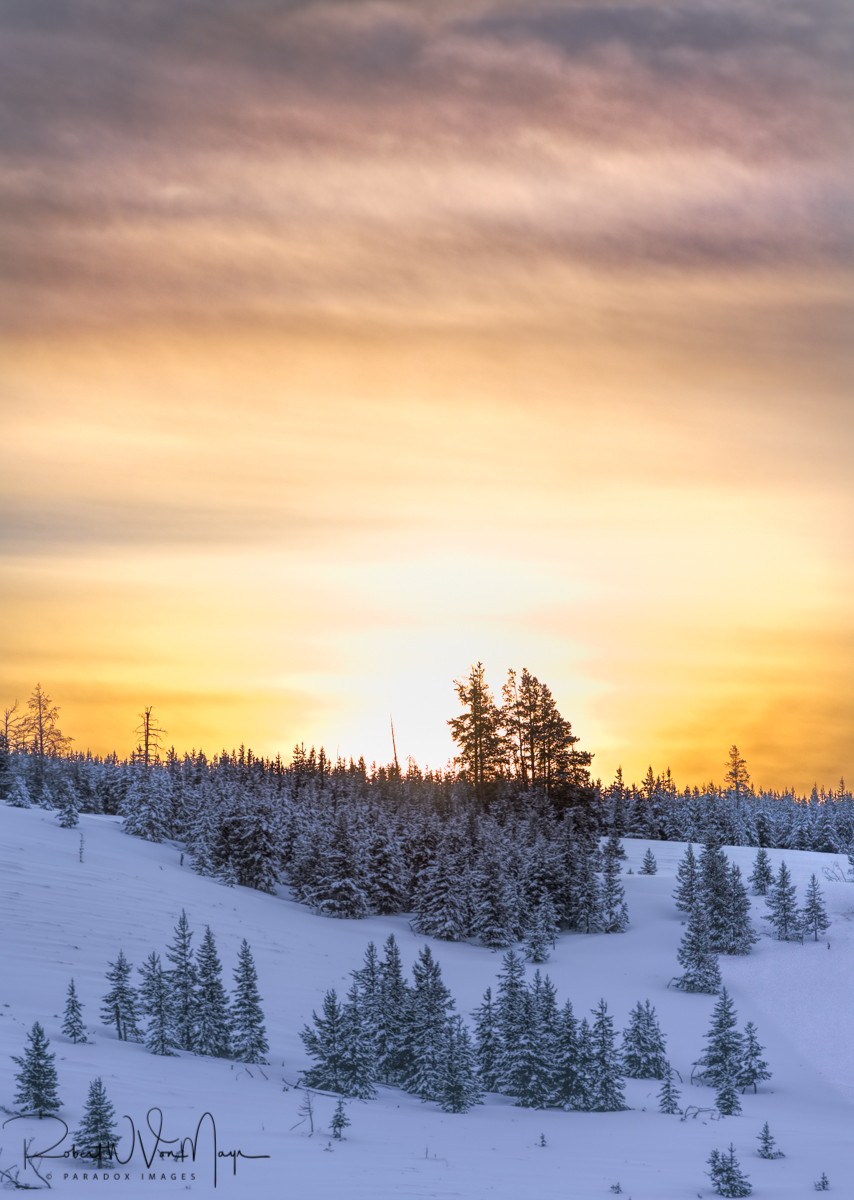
column 753, row 1069
column 726, row 1100
column 649, row 866
column 212, row 1015
column 487, row 1043
column 529, row 1068
column 340, row 1120
column 325, row 1044
column 495, row 903
column 249, row 1037
column 615, row 912
column 72, row 1025
column 68, row 814
column 512, row 1017
column 424, row 1038
column 687, row 882
column 394, row 1007
column 668, row 1097
column 19, row 796
column 721, row 1061
column 37, row 1079
column 767, row 1144
column 813, row 917
column 643, row 1054
column 440, row 905
column 541, row 936
column 607, row 1080
column 459, row 1089
column 95, row 1139
column 157, row 1004
column 726, row 1174
column 358, row 1046
column 182, row 982
column 739, row 933
column 695, row 954
column 783, row 907
column 569, row 1073
column 761, row 877
column 120, row 1006
column 714, row 888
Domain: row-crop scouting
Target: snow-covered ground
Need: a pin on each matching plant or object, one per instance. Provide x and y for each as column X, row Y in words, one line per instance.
column 63, row 918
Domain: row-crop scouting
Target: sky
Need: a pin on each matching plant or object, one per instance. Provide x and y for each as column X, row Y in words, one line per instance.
column 344, row 345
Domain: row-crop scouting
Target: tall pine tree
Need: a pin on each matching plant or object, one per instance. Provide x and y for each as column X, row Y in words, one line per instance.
column 95, row 1140
column 212, row 1016
column 37, row 1080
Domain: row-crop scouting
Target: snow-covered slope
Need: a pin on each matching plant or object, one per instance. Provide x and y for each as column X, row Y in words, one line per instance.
column 63, row 918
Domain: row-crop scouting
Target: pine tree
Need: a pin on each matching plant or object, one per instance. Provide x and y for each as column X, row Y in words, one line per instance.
column 385, row 886
column 687, row 890
column 424, row 1039
column 695, row 954
column 495, row 903
column 358, row 1046
column 95, row 1140
column 157, row 1004
column 487, row 1043
column 512, row 1017
column 569, row 1069
column 668, row 1097
column 394, row 1007
column 340, row 1120
column 37, row 1079
column 529, row 1074
column 714, row 885
column 459, row 1089
column 783, row 907
column 72, row 1025
column 68, row 815
column 182, row 982
column 440, row 903
column 761, row 877
column 325, row 1044
column 726, row 1100
column 726, row 1174
column 615, row 912
column 338, row 891
column 212, row 1015
column 822, row 1184
column 813, row 917
column 19, row 796
column 643, row 1054
column 739, row 934
column 121, row 1005
column 542, row 934
column 721, row 1061
column 753, row 1069
column 249, row 1037
column 607, row 1079
column 767, row 1144
column 649, row 865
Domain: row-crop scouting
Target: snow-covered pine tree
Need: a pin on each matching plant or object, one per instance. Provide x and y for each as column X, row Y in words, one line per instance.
column 95, row 1140
column 338, row 891
column 585, row 890
column 68, row 813
column 767, row 1144
column 695, row 954
column 143, row 806
column 511, row 1011
column 813, row 917
column 726, row 1100
column 441, row 908
column 668, row 1097
column 714, row 887
column 568, row 1070
column 649, row 866
column 248, row 1034
column 643, row 1053
column 37, row 1079
column 158, row 1006
column 530, row 1067
column 607, row 1078
column 753, row 1069
column 487, row 1043
column 761, row 877
column 72, row 1025
column 739, row 932
column 120, row 1006
column 182, row 982
column 340, row 1120
column 783, row 907
column 615, row 912
column 394, row 1008
column 542, row 935
column 459, row 1088
column 687, row 890
column 358, row 1045
column 384, row 884
column 325, row 1044
column 495, row 902
column 424, row 1037
column 822, row 1184
column 19, row 797
column 726, row 1174
column 722, row 1058
column 213, row 1021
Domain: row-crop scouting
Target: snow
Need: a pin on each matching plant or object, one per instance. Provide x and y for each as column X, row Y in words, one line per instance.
column 63, row 918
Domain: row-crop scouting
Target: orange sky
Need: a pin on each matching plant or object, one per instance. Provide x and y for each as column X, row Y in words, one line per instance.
column 347, row 344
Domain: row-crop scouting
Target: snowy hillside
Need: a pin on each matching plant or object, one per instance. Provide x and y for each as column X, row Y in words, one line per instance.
column 63, row 918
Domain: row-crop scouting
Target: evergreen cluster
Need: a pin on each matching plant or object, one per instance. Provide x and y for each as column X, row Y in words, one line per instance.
column 388, row 1030
column 732, row 1061
column 184, row 1005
